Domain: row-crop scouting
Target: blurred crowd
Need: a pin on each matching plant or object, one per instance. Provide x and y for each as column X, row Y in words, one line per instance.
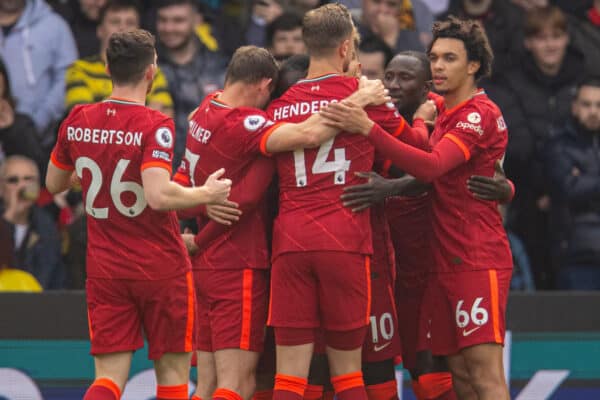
column 546, row 56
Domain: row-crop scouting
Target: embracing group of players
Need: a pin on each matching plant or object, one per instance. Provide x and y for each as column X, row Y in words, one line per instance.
column 347, row 280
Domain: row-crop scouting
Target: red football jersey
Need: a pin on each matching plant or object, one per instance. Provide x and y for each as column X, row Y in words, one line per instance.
column 223, row 137
column 109, row 144
column 469, row 234
column 311, row 181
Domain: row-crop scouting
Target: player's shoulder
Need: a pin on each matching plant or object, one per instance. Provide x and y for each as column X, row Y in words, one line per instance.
column 80, row 110
column 247, row 119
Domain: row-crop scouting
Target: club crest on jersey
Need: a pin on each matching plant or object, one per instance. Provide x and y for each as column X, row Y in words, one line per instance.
column 474, row 118
column 254, row 122
column 164, row 137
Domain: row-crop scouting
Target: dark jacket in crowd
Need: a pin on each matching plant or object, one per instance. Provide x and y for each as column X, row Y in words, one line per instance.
column 189, row 84
column 503, row 25
column 40, row 251
column 83, row 28
column 573, row 165
column 21, row 138
column 585, row 36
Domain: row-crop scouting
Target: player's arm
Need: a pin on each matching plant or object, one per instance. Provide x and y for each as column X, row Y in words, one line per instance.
column 497, row 188
column 445, row 156
column 377, row 189
column 313, row 131
column 163, row 194
column 57, row 179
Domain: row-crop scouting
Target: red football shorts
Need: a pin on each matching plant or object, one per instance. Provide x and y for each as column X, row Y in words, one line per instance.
column 413, row 320
column 118, row 309
column 329, row 289
column 469, row 309
column 382, row 341
column 232, row 309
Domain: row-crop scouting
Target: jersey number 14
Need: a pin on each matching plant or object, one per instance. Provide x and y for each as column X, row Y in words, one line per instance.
column 338, row 166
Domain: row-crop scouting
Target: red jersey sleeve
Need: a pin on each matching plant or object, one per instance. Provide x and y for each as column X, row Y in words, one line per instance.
column 158, row 146
column 254, row 127
column 388, row 118
column 60, row 156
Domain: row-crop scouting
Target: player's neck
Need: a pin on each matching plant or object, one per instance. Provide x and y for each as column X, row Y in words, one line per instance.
column 135, row 94
column 463, row 93
column 323, row 66
column 237, row 95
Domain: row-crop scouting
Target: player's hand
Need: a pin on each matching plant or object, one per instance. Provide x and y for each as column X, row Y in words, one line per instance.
column 361, row 197
column 190, row 245
column 224, row 213
column 496, row 188
column 348, row 117
column 426, row 111
column 218, row 189
column 74, row 181
column 370, row 92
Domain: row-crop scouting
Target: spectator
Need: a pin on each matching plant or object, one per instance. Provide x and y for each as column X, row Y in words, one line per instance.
column 539, row 96
column 263, row 13
column 82, row 16
column 373, row 55
column 35, row 238
column 87, row 80
column 17, row 131
column 573, row 164
column 192, row 71
column 522, row 278
column 585, row 35
column 502, row 22
column 284, row 36
column 401, row 24
column 37, row 47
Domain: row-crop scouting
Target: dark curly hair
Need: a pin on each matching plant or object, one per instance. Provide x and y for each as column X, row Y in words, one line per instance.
column 473, row 36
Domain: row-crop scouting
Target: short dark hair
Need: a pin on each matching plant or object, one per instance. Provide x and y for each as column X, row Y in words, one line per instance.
column 539, row 18
column 118, row 5
column 423, row 60
column 294, row 67
column 473, row 36
column 129, row 54
column 251, row 64
column 288, row 21
column 326, row 27
column 373, row 44
column 589, row 81
column 168, row 3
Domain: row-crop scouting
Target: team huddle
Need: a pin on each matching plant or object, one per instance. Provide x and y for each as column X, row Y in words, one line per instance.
column 387, row 241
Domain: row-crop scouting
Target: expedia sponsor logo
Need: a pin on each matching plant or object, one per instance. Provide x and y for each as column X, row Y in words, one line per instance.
column 473, row 127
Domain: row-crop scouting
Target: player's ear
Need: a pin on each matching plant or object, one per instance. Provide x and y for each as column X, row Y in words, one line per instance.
column 107, row 69
column 265, row 84
column 344, row 48
column 150, row 72
column 473, row 67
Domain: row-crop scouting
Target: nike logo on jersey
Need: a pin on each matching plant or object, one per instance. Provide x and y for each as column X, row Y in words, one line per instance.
column 383, row 346
column 467, row 333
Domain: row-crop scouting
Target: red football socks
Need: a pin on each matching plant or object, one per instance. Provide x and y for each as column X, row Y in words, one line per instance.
column 226, row 394
column 263, row 395
column 349, row 386
column 103, row 389
column 196, row 397
column 289, row 387
column 382, row 391
column 177, row 392
column 434, row 386
column 313, row 392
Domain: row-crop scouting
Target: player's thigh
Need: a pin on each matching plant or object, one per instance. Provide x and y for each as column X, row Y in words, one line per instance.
column 169, row 311
column 113, row 316
column 114, row 366
column 478, row 300
column 382, row 341
column 344, row 289
column 294, row 292
column 235, row 366
column 484, row 362
column 239, row 309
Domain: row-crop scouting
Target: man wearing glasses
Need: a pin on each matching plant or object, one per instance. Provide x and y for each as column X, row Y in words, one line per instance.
column 35, row 239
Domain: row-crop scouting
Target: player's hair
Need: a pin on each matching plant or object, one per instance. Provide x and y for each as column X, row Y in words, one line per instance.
column 129, row 54
column 423, row 60
column 587, row 81
column 473, row 36
column 288, row 21
column 373, row 44
column 538, row 19
column 325, row 28
column 291, row 70
column 251, row 64
column 119, row 5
